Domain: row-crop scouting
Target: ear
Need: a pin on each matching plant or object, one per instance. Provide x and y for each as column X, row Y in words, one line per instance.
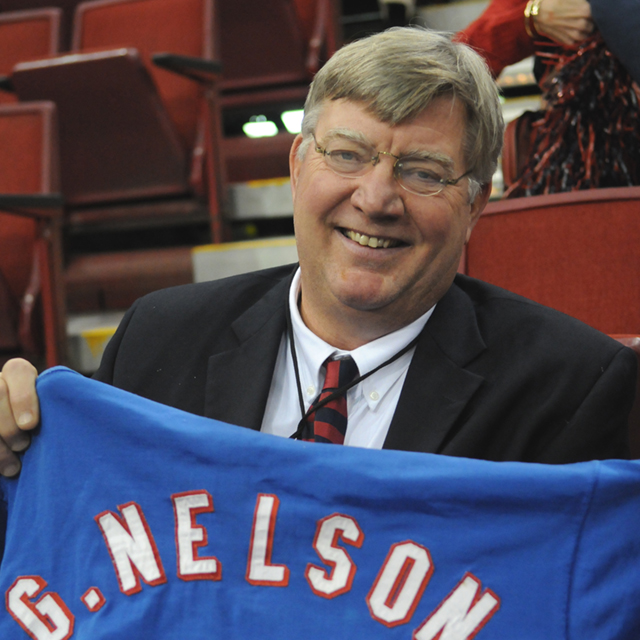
column 477, row 206
column 294, row 163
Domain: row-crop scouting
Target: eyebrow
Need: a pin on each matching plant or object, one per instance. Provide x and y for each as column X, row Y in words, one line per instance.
column 347, row 134
column 434, row 156
column 356, row 136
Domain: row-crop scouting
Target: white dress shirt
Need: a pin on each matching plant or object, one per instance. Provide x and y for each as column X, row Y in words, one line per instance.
column 370, row 404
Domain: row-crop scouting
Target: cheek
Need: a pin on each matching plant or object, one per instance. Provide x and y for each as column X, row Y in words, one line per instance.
column 307, row 200
column 443, row 234
column 320, row 204
column 305, row 205
column 309, row 228
column 438, row 228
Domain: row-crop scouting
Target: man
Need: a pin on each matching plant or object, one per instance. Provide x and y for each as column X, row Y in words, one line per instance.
column 401, row 136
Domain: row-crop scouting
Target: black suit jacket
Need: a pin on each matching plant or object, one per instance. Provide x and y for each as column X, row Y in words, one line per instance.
column 494, row 375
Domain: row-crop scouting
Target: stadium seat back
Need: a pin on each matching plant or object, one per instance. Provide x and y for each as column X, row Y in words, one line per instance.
column 154, row 26
column 576, row 252
column 25, row 35
column 28, row 166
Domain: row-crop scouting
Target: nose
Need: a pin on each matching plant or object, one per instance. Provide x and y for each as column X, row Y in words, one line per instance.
column 378, row 193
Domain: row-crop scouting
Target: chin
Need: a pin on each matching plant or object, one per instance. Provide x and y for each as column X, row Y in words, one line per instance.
column 364, row 301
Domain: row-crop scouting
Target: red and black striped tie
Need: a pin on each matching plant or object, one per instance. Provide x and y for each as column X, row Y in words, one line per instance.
column 329, row 422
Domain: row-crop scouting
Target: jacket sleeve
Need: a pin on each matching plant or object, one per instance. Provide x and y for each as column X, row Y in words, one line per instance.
column 499, row 34
column 107, row 364
column 600, row 426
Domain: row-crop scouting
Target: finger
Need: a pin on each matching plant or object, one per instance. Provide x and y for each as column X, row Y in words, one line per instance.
column 18, row 411
column 570, row 37
column 561, row 37
column 9, row 463
column 579, row 35
column 589, row 27
column 12, row 437
column 20, row 377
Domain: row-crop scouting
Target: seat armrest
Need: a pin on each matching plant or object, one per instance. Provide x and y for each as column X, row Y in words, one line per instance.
column 6, row 84
column 198, row 69
column 47, row 205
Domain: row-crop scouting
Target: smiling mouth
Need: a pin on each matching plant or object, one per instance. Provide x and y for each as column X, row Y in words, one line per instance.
column 370, row 241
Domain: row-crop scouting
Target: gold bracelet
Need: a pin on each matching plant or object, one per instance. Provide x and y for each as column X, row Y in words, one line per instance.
column 530, row 12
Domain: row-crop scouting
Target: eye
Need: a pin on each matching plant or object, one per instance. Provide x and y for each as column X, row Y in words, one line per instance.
column 421, row 173
column 346, row 156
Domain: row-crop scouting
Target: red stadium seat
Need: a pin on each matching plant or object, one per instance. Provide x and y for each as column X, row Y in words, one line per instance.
column 139, row 145
column 100, row 93
column 517, row 147
column 152, row 26
column 270, row 52
column 67, row 7
column 25, row 35
column 576, row 252
column 29, row 235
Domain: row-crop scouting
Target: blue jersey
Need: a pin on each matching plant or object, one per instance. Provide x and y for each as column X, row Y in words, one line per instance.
column 134, row 520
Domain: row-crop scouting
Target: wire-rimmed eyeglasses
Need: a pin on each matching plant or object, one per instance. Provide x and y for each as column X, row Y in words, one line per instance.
column 352, row 159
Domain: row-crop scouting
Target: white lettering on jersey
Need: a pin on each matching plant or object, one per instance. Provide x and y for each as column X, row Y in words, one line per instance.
column 461, row 614
column 400, row 583
column 260, row 570
column 190, row 536
column 132, row 548
column 330, row 530
column 46, row 619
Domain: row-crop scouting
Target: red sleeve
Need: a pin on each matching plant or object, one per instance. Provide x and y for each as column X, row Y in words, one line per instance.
column 499, row 34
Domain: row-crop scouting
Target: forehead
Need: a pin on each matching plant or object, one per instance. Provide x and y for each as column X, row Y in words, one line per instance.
column 439, row 128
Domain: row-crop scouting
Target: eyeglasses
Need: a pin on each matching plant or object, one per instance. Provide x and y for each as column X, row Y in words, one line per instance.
column 351, row 159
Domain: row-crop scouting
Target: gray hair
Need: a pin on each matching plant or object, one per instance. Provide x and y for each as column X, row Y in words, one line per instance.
column 398, row 73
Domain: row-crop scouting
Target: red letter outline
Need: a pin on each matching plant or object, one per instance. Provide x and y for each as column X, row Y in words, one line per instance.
column 338, row 534
column 100, row 602
column 264, row 561
column 400, row 581
column 162, row 578
column 195, row 544
column 479, row 595
column 33, row 607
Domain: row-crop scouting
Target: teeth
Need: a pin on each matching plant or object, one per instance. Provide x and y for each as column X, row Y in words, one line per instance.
column 369, row 241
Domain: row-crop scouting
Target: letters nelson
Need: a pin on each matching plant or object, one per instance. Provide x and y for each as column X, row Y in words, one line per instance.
column 391, row 599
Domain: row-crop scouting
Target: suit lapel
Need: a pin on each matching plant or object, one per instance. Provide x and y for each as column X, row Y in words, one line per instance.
column 239, row 376
column 436, row 390
column 438, row 387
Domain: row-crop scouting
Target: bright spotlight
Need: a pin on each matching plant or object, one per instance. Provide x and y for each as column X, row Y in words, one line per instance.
column 293, row 120
column 260, row 127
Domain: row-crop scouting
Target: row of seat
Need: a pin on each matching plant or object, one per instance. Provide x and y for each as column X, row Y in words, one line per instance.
column 127, row 143
column 269, row 50
column 576, row 252
column 541, row 247
column 111, row 135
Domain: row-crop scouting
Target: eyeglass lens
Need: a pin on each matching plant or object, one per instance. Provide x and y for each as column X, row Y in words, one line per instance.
column 418, row 175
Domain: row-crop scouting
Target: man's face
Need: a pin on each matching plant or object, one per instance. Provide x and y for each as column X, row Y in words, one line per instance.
column 384, row 288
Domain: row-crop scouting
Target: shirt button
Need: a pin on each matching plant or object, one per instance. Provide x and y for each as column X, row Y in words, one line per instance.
column 375, row 396
column 311, row 390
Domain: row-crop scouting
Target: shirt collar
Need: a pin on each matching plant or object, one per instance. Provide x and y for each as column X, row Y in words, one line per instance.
column 313, row 351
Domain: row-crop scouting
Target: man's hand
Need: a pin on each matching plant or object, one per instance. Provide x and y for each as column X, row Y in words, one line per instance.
column 565, row 21
column 19, row 412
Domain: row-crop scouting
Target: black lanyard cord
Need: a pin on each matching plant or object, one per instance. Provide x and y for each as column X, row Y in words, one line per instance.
column 338, row 392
